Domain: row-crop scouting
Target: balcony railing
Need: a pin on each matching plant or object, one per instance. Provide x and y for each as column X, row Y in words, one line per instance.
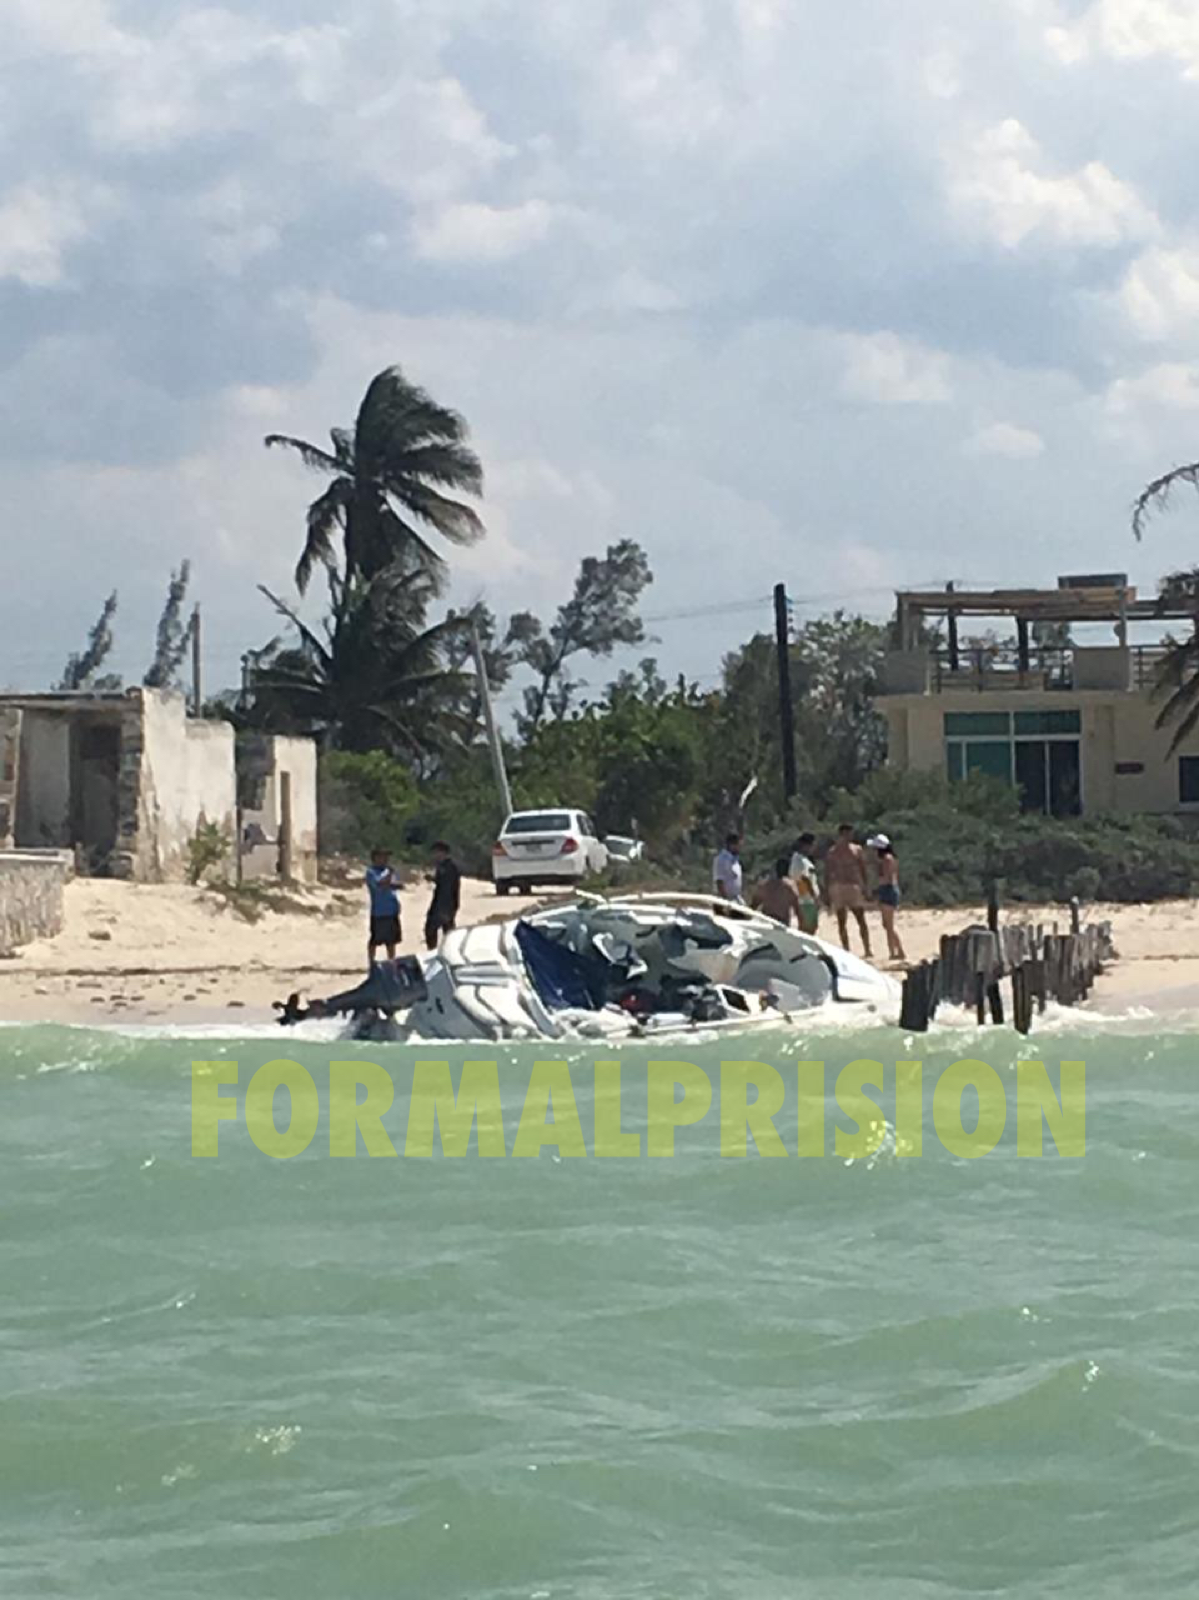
column 998, row 668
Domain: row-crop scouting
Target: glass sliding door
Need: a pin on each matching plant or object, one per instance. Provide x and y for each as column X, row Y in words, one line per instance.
column 1032, row 778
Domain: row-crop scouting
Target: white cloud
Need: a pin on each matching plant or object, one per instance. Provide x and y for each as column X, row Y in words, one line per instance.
column 1170, row 386
column 38, row 224
column 997, row 189
column 474, row 231
column 1132, row 30
column 424, row 138
column 1005, row 439
column 1159, row 296
column 886, row 370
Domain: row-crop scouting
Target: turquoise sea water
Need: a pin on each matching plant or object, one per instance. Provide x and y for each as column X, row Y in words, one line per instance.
column 547, row 1378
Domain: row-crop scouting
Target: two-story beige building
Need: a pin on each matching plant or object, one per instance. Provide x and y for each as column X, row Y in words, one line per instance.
column 1071, row 725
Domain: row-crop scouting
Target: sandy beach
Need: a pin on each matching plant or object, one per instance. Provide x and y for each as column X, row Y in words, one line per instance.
column 173, row 954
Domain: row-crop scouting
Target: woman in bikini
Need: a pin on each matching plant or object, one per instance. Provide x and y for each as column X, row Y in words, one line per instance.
column 887, row 893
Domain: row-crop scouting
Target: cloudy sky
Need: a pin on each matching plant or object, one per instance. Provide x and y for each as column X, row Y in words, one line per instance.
column 849, row 295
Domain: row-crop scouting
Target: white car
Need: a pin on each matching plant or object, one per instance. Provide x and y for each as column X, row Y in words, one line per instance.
column 621, row 848
column 538, row 847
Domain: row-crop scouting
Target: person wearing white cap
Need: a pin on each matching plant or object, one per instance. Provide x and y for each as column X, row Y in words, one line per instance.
column 887, row 892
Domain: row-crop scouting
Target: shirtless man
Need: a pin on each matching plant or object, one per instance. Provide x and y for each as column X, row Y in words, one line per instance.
column 846, row 885
column 777, row 896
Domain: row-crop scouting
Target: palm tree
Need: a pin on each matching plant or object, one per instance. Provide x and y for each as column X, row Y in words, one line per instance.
column 1156, row 496
column 372, row 676
column 1177, row 674
column 388, row 477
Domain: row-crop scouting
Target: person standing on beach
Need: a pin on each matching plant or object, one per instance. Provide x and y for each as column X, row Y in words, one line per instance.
column 847, row 885
column 447, row 894
column 777, row 896
column 727, row 875
column 803, row 873
column 382, row 884
column 887, row 893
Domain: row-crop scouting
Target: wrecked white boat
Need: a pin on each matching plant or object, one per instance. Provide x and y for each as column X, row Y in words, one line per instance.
column 622, row 967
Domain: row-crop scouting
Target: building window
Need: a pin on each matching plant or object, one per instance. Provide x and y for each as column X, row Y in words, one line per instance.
column 979, row 724
column 1035, row 724
column 1188, row 780
column 1040, row 752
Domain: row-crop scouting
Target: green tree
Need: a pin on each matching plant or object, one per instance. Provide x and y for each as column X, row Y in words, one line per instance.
column 840, row 736
column 174, row 635
column 838, row 662
column 600, row 615
column 388, row 476
column 372, row 676
column 632, row 761
column 80, row 670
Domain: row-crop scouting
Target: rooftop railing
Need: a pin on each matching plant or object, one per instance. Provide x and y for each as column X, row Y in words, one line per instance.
column 1000, row 668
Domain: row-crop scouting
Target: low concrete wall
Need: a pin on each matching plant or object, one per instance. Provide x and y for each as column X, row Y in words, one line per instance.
column 31, row 896
column 262, row 760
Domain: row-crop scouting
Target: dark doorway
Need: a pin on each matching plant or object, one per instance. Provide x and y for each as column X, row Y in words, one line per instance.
column 1049, row 776
column 95, row 790
column 1065, row 778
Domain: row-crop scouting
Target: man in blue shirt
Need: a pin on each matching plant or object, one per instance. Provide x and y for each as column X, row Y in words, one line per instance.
column 385, row 906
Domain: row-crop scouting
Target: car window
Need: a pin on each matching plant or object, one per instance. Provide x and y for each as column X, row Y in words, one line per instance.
column 538, row 822
column 585, row 827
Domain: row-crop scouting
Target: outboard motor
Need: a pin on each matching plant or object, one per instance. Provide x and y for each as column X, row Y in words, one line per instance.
column 392, row 986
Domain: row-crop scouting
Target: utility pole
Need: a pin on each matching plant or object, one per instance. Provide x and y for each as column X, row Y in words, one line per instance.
column 197, row 700
column 493, row 738
column 786, row 710
column 951, row 628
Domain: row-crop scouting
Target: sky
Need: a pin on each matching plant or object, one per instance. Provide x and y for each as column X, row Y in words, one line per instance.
column 851, row 297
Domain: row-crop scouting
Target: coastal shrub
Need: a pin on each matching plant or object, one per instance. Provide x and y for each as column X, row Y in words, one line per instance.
column 208, row 847
column 364, row 801
column 954, row 839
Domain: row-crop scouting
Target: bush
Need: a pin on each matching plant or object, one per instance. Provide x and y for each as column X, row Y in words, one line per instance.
column 207, row 848
column 953, row 839
column 365, row 801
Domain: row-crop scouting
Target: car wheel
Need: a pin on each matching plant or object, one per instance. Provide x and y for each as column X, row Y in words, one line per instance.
column 502, row 888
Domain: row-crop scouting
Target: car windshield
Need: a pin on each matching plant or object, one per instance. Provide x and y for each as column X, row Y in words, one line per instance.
column 539, row 822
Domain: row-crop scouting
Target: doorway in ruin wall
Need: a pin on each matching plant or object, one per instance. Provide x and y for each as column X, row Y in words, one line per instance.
column 68, row 789
column 95, row 790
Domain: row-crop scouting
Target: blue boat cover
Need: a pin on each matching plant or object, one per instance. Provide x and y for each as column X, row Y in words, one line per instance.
column 563, row 979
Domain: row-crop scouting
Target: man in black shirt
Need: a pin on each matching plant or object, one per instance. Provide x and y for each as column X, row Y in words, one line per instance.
column 447, row 887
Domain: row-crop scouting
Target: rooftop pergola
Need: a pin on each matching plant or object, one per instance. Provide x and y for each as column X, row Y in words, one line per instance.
column 1104, row 598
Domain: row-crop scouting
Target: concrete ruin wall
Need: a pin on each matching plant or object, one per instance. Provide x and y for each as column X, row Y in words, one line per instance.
column 10, row 749
column 175, row 775
column 43, row 819
column 31, row 896
column 262, row 759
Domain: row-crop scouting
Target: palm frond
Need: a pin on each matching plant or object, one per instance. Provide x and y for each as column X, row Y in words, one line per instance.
column 447, row 462
column 393, row 537
column 1184, row 704
column 453, row 521
column 1156, row 495
column 310, row 639
column 310, row 454
column 326, row 514
column 393, row 407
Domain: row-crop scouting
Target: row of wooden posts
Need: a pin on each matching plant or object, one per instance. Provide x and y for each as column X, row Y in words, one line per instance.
column 1042, row 963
